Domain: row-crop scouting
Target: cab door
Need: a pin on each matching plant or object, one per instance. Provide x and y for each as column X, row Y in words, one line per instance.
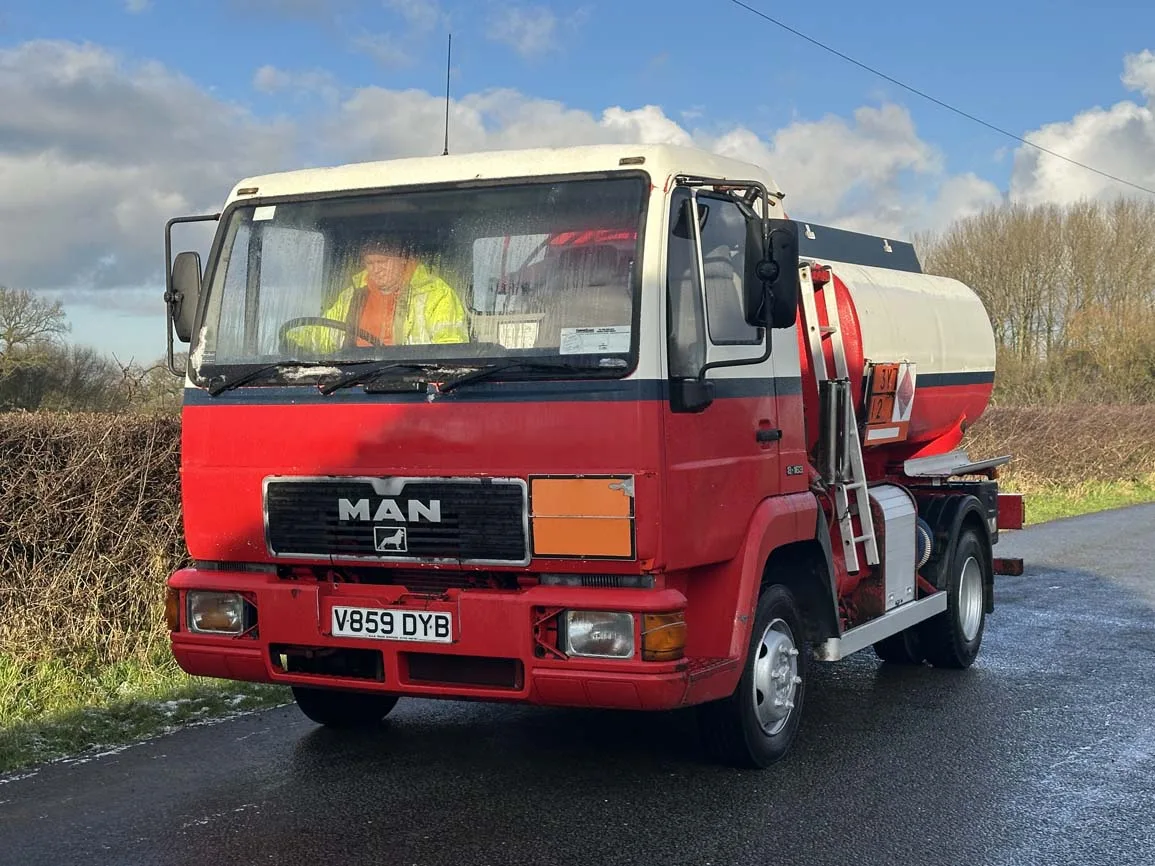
column 721, row 434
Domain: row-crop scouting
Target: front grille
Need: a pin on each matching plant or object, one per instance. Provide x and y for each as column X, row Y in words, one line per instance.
column 398, row 520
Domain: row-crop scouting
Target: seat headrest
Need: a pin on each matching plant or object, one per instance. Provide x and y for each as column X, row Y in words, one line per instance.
column 591, row 266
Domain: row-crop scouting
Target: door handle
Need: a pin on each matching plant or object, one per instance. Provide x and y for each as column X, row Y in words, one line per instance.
column 768, row 434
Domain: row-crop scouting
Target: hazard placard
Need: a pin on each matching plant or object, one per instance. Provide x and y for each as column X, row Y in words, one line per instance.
column 889, row 401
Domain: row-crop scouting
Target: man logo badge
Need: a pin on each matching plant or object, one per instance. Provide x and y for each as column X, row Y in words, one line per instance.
column 390, row 539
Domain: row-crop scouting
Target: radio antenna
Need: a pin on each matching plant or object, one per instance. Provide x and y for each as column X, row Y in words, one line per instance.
column 448, row 61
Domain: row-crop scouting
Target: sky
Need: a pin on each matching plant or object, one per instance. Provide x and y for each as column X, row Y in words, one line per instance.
column 116, row 115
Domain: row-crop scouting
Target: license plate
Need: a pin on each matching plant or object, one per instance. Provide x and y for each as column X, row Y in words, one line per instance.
column 430, row 626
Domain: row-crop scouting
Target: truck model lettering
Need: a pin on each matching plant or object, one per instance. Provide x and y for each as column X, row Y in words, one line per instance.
column 388, row 509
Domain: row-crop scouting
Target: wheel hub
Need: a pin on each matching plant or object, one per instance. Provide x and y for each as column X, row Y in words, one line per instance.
column 970, row 599
column 775, row 680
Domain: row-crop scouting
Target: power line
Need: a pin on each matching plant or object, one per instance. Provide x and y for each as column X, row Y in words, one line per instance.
column 939, row 102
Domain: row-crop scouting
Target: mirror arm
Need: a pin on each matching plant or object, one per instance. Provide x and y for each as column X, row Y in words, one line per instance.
column 754, row 188
column 699, row 253
column 699, row 264
column 740, row 362
column 170, row 298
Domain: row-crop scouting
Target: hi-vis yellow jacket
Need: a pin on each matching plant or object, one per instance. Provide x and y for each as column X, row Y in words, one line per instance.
column 428, row 311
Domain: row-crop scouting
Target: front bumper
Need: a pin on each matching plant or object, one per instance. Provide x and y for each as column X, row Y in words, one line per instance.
column 501, row 648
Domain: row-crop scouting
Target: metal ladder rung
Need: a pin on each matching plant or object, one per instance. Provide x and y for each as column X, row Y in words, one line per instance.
column 851, row 445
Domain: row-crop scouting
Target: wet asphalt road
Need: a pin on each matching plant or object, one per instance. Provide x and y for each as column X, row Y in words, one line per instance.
column 1042, row 753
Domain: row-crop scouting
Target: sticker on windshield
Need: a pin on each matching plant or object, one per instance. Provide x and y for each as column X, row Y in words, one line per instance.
column 264, row 212
column 517, row 335
column 582, row 341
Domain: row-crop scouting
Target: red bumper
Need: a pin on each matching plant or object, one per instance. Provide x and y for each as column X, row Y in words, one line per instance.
column 495, row 646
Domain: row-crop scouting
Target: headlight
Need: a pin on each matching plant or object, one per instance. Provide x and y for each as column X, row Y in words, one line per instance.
column 599, row 634
column 216, row 612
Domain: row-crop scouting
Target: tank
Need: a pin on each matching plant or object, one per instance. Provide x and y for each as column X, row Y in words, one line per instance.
column 891, row 315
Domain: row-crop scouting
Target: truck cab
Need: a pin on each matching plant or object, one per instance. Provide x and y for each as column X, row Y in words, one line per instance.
column 562, row 451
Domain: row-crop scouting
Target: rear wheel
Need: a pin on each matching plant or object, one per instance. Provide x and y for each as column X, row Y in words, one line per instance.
column 903, row 648
column 757, row 724
column 340, row 709
column 952, row 639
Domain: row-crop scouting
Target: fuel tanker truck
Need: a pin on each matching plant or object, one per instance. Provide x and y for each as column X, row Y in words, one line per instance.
column 581, row 427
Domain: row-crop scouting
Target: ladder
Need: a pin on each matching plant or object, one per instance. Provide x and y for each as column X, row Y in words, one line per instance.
column 843, row 471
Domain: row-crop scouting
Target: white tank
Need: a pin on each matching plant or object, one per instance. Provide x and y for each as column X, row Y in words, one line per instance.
column 936, row 323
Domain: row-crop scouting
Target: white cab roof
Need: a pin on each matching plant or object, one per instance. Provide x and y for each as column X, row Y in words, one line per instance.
column 661, row 161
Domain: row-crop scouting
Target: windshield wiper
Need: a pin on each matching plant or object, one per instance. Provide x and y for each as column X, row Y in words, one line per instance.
column 372, row 371
column 494, row 369
column 226, row 384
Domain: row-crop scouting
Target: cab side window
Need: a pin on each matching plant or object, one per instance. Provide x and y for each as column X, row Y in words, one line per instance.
column 724, row 258
column 685, row 322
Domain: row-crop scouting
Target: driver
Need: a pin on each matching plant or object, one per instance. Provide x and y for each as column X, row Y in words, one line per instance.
column 395, row 298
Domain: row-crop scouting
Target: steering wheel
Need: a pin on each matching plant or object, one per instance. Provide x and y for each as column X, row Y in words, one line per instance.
column 335, row 324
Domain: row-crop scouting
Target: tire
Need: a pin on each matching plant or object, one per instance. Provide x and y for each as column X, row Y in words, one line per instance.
column 732, row 729
column 952, row 639
column 335, row 708
column 904, row 648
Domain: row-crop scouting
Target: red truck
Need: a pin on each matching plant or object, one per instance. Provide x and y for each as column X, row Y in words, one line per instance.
column 633, row 439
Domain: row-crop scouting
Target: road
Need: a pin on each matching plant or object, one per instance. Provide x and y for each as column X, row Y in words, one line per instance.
column 1043, row 752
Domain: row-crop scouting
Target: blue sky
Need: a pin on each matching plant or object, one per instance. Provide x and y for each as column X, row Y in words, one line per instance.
column 709, row 66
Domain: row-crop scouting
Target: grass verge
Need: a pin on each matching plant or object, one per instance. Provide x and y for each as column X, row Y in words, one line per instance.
column 56, row 709
column 1045, row 503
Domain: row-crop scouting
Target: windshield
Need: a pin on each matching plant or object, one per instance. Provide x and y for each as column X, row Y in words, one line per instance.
column 482, row 274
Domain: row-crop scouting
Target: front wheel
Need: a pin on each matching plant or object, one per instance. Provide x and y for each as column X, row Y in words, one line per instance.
column 952, row 639
column 340, row 709
column 756, row 725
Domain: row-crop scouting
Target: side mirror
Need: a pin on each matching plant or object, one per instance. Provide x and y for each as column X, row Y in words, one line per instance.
column 783, row 287
column 184, row 290
column 771, row 284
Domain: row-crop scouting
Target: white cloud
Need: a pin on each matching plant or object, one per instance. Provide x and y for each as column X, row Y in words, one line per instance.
column 135, row 6
column 271, row 79
column 1139, row 73
column 392, row 50
column 290, row 8
column 377, row 123
column 834, row 169
column 959, row 197
column 1119, row 140
column 387, row 49
column 421, row 15
column 528, row 30
column 95, row 155
column 873, row 173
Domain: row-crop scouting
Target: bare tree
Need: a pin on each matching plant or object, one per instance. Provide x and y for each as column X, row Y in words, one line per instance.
column 26, row 322
column 1071, row 294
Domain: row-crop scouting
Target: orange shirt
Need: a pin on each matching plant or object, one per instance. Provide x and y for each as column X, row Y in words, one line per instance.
column 379, row 313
